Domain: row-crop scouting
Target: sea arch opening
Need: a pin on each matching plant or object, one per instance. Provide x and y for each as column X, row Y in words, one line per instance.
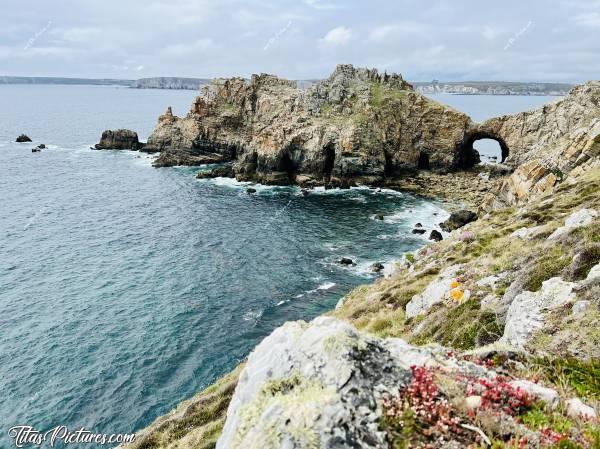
column 483, row 147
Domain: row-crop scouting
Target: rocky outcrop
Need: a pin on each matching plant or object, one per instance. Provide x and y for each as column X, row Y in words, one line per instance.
column 357, row 126
column 120, row 139
column 546, row 145
column 323, row 384
column 23, row 138
column 458, row 219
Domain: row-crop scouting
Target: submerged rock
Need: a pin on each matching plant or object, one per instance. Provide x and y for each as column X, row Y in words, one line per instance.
column 120, row 139
column 458, row 220
column 419, row 231
column 250, row 190
column 346, row 261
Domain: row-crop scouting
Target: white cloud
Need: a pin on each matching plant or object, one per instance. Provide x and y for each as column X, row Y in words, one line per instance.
column 591, row 19
column 489, row 33
column 338, row 36
column 397, row 31
column 188, row 49
column 319, row 4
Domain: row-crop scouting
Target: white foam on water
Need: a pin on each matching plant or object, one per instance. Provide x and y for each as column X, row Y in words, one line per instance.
column 325, row 286
column 252, row 315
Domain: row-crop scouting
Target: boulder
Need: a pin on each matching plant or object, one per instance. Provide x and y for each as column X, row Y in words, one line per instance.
column 322, row 385
column 526, row 312
column 546, row 395
column 379, row 216
column 582, row 217
column 419, row 231
column 23, row 138
column 576, row 409
column 41, row 146
column 437, row 291
column 250, row 190
column 120, row 139
column 458, row 220
column 436, row 236
column 346, row 261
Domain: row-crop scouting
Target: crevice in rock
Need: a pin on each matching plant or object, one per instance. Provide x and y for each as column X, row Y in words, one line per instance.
column 423, row 163
column 329, row 161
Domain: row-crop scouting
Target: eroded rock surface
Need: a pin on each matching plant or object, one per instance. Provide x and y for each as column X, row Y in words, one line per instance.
column 356, row 126
column 322, row 385
column 120, row 139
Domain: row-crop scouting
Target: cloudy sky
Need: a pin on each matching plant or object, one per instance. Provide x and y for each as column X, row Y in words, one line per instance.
column 541, row 40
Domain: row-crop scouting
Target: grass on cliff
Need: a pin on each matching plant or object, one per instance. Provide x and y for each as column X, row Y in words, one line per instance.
column 492, row 250
column 196, row 423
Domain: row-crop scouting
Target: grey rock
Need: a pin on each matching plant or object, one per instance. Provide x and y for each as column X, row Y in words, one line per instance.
column 120, row 139
column 458, row 220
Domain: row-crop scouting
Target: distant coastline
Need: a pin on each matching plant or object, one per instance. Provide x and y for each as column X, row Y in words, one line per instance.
column 431, row 87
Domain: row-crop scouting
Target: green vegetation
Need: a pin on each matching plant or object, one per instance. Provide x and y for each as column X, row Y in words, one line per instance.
column 463, row 327
column 583, row 377
column 548, row 265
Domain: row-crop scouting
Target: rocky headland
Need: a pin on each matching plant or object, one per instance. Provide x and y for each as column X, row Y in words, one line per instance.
column 486, row 339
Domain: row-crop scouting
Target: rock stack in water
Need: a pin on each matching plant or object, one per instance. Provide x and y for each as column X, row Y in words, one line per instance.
column 120, row 139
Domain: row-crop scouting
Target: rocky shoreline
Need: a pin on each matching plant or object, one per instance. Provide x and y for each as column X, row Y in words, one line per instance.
column 485, row 339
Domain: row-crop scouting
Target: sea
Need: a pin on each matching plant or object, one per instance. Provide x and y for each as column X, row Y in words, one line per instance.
column 125, row 289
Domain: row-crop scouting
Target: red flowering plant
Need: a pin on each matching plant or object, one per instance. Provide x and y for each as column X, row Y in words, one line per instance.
column 499, row 395
column 420, row 409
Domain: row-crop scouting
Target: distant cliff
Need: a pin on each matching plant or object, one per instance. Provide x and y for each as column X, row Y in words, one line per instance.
column 170, row 82
column 65, row 81
column 492, row 88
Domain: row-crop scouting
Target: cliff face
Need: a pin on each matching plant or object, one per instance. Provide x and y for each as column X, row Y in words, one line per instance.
column 362, row 127
column 547, row 144
column 356, row 126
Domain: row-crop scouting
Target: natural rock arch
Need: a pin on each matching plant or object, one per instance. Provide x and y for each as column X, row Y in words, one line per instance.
column 468, row 156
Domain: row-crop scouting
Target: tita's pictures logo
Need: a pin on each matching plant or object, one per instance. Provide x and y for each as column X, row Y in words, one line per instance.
column 25, row 436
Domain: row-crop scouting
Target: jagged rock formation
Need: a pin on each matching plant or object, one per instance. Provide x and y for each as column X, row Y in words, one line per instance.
column 356, row 126
column 120, row 139
column 362, row 127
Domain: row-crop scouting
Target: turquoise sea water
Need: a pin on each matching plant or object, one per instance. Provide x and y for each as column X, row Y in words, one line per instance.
column 125, row 289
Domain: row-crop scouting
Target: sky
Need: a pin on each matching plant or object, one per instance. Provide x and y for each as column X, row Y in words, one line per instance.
column 535, row 40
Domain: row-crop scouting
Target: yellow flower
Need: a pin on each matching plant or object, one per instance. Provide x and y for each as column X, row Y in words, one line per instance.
column 454, row 284
column 456, row 294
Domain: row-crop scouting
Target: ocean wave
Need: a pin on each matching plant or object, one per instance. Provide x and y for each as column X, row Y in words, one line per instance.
column 324, row 286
